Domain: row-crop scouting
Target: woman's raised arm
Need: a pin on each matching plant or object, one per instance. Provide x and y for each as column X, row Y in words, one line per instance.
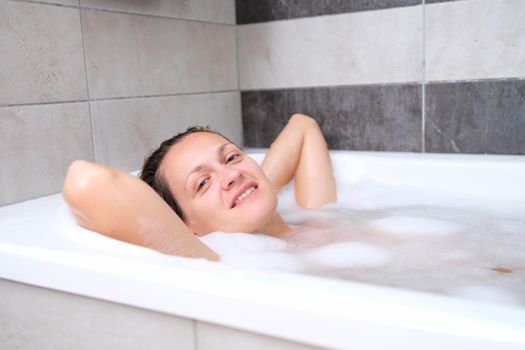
column 300, row 151
column 123, row 207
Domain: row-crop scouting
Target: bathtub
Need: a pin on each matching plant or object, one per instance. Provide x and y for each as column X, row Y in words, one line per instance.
column 41, row 246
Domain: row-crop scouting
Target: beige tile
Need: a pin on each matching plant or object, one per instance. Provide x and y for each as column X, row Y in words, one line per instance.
column 130, row 55
column 127, row 130
column 356, row 48
column 41, row 58
column 218, row 11
column 37, row 145
column 61, row 2
column 213, row 337
column 37, row 318
column 475, row 40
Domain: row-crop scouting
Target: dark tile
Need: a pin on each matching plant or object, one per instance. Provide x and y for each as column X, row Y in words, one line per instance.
column 376, row 118
column 476, row 117
column 434, row 1
column 254, row 11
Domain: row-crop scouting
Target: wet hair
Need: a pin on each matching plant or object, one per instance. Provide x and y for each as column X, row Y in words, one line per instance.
column 152, row 175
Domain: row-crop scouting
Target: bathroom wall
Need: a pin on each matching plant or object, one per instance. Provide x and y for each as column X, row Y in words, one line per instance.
column 106, row 81
column 392, row 75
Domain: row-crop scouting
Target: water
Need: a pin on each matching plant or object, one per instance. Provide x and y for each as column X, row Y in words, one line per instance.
column 471, row 249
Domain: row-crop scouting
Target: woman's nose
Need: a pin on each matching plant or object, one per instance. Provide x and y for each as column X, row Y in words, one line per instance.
column 230, row 176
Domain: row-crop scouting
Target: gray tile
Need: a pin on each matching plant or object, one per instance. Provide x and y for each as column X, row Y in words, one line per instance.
column 44, row 319
column 375, row 118
column 37, row 145
column 374, row 47
column 41, row 58
column 60, row 2
column 218, row 11
column 253, row 11
column 132, row 55
column 435, row 1
column 127, row 130
column 476, row 117
column 214, row 337
column 489, row 45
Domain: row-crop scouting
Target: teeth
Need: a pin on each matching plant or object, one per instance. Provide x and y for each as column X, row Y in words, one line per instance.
column 244, row 194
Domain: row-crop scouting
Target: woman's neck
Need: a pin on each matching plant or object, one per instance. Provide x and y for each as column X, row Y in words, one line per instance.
column 276, row 227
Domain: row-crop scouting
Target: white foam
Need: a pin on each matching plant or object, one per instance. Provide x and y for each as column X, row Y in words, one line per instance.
column 512, row 226
column 226, row 243
column 252, row 251
column 486, row 293
column 349, row 254
column 411, row 226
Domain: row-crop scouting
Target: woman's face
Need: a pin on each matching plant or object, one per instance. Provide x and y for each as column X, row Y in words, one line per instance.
column 217, row 186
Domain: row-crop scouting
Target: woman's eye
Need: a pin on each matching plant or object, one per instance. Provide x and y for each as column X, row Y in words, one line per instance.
column 232, row 158
column 202, row 184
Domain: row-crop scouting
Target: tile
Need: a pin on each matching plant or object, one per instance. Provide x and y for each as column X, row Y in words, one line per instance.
column 127, row 130
column 371, row 118
column 476, row 117
column 60, row 2
column 41, row 58
column 253, row 11
column 214, row 337
column 435, row 1
column 487, row 45
column 131, row 55
column 296, row 53
column 44, row 319
column 38, row 143
column 218, row 11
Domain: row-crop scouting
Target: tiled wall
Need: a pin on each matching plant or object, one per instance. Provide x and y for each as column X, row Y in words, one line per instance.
column 45, row 319
column 394, row 75
column 106, row 81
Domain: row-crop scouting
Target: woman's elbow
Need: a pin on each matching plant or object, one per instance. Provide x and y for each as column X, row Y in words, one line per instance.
column 81, row 177
column 304, row 121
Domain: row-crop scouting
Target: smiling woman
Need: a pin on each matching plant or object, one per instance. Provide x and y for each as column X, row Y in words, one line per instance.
column 200, row 182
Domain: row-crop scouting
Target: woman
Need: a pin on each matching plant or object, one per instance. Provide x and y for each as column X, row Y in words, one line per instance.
column 206, row 184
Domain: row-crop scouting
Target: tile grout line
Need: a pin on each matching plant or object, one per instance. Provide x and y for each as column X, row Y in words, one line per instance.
column 102, row 99
column 118, row 98
column 91, row 123
column 45, row 3
column 123, row 12
column 423, row 86
column 195, row 335
column 158, row 16
column 239, row 78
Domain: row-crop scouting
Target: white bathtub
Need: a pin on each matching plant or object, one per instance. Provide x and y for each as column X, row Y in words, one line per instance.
column 39, row 245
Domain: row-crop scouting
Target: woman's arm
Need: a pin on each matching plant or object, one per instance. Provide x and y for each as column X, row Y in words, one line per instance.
column 300, row 151
column 123, row 207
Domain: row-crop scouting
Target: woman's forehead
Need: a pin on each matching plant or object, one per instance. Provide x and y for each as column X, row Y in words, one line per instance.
column 193, row 150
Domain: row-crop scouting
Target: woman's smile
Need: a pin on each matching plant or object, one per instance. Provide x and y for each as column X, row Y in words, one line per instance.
column 247, row 192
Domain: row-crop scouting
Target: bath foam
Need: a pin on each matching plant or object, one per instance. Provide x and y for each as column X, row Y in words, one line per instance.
column 486, row 293
column 252, row 251
column 234, row 242
column 349, row 254
column 414, row 226
column 512, row 226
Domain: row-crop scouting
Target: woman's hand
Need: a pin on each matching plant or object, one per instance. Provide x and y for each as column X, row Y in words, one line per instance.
column 300, row 151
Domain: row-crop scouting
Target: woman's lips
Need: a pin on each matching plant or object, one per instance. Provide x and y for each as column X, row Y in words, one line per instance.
column 245, row 194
